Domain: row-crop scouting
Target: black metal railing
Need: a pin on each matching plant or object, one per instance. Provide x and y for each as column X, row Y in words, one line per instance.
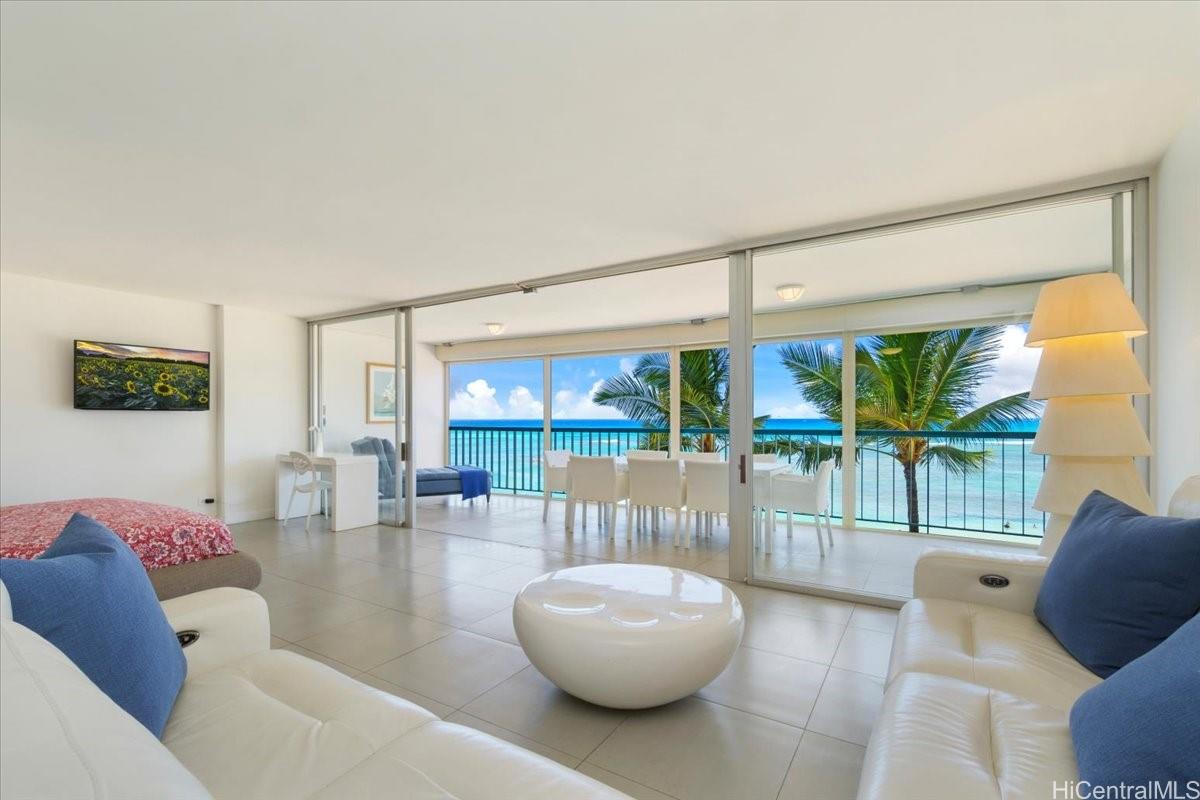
column 989, row 486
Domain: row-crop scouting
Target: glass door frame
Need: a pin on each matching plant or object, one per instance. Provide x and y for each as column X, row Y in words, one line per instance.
column 402, row 430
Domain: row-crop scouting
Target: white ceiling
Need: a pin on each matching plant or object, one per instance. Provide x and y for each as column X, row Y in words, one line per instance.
column 314, row 157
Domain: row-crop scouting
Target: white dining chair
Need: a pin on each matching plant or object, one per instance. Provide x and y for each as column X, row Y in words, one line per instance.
column 806, row 494
column 689, row 457
column 302, row 467
column 640, row 511
column 655, row 483
column 556, row 476
column 707, row 493
column 596, row 479
column 764, row 514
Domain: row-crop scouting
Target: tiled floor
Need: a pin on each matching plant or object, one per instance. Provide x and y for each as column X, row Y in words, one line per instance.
column 876, row 562
column 426, row 615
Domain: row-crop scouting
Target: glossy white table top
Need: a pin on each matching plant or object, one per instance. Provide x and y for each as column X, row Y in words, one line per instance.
column 629, row 598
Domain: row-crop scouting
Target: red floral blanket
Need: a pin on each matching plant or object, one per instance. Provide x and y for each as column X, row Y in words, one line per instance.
column 162, row 536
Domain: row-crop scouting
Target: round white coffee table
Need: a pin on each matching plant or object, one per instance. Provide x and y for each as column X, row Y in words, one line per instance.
column 628, row 635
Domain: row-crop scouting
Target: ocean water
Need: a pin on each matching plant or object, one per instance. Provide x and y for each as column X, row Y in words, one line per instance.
column 995, row 498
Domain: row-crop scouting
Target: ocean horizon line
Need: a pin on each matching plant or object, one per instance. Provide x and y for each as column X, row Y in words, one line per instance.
column 813, row 423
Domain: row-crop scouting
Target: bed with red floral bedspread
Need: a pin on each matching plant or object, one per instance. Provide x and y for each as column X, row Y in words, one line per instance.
column 183, row 551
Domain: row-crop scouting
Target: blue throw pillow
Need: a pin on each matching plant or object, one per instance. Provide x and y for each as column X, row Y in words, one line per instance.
column 1143, row 723
column 90, row 597
column 1120, row 583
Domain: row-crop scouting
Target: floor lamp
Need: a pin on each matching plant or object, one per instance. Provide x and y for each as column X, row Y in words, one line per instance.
column 1087, row 376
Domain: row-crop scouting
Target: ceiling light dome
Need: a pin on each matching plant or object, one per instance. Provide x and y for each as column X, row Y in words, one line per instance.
column 789, row 292
column 495, row 328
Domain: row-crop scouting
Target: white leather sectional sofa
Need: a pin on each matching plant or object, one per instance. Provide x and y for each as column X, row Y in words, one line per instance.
column 250, row 722
column 978, row 691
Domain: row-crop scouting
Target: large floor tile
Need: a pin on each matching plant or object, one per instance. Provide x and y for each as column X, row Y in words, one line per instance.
column 325, row 570
column 768, row 684
column 696, row 749
column 874, row 618
column 863, row 650
column 798, row 637
column 370, row 641
column 397, row 589
column 460, row 604
column 498, row 626
column 847, row 706
column 622, row 784
column 463, row 718
column 456, row 668
column 823, row 769
column 532, row 706
column 299, row 620
column 460, row 566
column 510, row 579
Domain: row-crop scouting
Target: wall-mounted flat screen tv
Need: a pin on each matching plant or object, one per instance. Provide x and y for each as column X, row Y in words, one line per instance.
column 126, row 377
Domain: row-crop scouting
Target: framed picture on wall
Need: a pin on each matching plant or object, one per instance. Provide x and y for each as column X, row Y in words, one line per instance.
column 381, row 392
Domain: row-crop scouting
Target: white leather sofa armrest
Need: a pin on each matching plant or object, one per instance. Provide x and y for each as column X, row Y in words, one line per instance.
column 956, row 575
column 230, row 624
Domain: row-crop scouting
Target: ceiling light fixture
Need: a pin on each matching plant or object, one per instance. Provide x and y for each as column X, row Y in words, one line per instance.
column 790, row 292
column 495, row 328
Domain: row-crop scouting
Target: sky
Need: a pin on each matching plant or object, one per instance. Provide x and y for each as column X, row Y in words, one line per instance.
column 513, row 389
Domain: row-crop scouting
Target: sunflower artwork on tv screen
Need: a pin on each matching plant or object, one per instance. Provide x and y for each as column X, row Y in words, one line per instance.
column 123, row 377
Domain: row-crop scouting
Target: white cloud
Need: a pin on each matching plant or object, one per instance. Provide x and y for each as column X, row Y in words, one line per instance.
column 800, row 410
column 627, row 364
column 477, row 400
column 521, row 404
column 569, row 403
column 1015, row 366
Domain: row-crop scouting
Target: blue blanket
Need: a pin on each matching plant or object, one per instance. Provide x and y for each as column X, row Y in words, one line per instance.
column 476, row 482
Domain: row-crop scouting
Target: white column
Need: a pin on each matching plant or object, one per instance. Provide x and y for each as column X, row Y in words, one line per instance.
column 676, row 423
column 741, row 417
column 849, row 432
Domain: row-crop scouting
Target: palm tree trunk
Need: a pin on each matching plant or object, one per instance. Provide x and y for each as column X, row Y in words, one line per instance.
column 910, row 492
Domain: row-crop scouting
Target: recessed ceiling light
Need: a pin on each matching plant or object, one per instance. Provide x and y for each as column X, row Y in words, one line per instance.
column 890, row 351
column 495, row 328
column 790, row 292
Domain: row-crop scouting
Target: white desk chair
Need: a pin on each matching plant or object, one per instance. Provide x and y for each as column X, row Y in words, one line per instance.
column 556, row 476
column 631, row 454
column 690, row 457
column 303, row 467
column 707, row 492
column 764, row 514
column 596, row 479
column 806, row 494
column 657, row 483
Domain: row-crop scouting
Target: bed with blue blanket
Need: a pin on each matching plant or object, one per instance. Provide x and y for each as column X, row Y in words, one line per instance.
column 464, row 480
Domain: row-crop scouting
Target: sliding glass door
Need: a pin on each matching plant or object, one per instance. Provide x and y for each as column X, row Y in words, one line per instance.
column 360, row 404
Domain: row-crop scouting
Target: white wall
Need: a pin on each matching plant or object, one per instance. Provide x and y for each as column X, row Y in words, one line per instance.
column 346, row 354
column 263, row 405
column 48, row 449
column 1175, row 316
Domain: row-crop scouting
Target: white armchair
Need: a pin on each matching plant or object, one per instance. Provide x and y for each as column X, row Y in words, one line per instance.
column 804, row 494
column 596, row 479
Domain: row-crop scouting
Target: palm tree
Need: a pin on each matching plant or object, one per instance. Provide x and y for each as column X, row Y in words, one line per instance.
column 911, row 382
column 644, row 394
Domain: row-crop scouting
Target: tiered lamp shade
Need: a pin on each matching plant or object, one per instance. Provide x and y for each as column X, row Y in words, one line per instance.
column 1082, row 306
column 1088, row 365
column 1087, row 375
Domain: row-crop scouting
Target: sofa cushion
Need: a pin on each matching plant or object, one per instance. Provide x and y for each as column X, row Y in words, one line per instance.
column 937, row 738
column 997, row 649
column 1143, row 723
column 1120, row 583
column 89, row 596
column 280, row 725
column 62, row 738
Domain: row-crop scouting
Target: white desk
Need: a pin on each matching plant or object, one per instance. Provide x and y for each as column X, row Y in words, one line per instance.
column 354, row 499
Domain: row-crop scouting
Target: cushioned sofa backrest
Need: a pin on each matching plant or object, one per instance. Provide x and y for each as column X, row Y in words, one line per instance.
column 61, row 737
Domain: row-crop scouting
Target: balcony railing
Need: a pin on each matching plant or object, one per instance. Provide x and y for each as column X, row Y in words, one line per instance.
column 994, row 495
